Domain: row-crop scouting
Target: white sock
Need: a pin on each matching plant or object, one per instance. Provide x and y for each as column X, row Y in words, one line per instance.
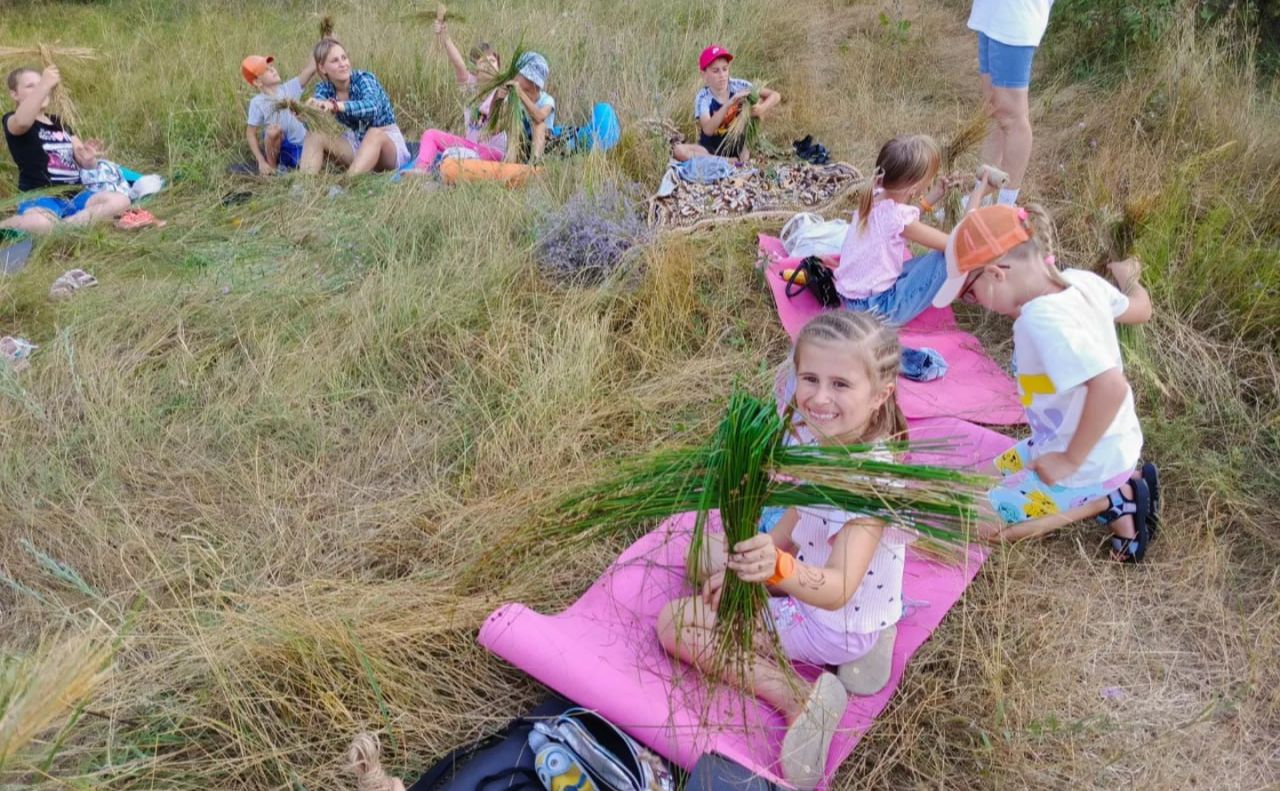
column 1008, row 197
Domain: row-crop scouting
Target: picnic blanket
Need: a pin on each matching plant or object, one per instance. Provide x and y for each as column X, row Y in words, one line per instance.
column 765, row 190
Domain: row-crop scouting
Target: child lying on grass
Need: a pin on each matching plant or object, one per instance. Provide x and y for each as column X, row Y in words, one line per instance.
column 1085, row 439
column 45, row 153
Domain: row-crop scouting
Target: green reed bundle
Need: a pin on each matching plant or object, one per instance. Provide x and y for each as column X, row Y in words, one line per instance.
column 506, row 114
column 966, row 138
column 314, row 120
column 60, row 103
column 746, row 467
column 743, row 133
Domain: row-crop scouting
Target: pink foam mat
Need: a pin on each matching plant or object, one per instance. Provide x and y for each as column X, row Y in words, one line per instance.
column 603, row 653
column 974, row 388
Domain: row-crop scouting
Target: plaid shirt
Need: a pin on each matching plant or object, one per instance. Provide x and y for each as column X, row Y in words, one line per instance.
column 369, row 105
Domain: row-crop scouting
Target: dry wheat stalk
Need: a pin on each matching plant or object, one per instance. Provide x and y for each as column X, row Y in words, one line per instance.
column 60, row 103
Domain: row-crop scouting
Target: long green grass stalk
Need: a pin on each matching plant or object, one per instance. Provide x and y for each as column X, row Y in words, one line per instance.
column 507, row 114
column 746, row 467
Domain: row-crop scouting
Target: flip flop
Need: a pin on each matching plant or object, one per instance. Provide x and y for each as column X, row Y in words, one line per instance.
column 69, row 282
column 15, row 352
column 1130, row 550
column 808, row 739
column 135, row 219
column 870, row 673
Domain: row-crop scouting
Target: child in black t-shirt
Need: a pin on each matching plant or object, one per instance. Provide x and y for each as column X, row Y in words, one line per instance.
column 45, row 153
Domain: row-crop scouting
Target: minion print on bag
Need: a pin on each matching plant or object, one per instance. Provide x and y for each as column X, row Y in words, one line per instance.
column 560, row 771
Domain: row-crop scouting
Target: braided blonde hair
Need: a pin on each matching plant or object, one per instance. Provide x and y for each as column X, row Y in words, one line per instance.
column 1040, row 248
column 877, row 342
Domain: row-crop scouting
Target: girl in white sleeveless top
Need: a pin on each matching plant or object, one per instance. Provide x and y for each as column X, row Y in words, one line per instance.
column 835, row 577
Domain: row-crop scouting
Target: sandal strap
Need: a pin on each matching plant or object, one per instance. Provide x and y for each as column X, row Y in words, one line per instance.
column 1128, row 547
column 1120, row 506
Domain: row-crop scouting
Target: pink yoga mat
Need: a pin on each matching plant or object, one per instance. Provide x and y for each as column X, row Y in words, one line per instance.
column 974, row 387
column 603, row 653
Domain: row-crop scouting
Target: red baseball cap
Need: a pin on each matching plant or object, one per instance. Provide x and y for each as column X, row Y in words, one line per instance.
column 979, row 238
column 255, row 66
column 712, row 54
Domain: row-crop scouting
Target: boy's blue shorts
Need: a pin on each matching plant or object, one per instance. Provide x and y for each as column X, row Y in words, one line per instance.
column 290, row 155
column 1009, row 67
column 62, row 208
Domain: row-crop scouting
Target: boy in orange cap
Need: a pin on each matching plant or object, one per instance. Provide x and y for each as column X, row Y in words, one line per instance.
column 281, row 132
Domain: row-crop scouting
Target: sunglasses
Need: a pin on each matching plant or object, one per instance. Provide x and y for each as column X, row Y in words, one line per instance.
column 966, row 294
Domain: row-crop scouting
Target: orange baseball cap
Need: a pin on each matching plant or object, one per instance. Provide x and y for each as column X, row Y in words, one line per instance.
column 979, row 238
column 255, row 66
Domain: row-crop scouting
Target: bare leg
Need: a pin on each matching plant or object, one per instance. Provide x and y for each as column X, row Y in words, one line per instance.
column 377, row 152
column 993, row 143
column 539, row 143
column 319, row 146
column 1011, row 110
column 103, row 206
column 34, row 221
column 272, row 142
column 686, row 630
column 683, row 152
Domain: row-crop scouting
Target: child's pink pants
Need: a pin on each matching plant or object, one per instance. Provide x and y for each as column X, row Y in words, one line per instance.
column 434, row 141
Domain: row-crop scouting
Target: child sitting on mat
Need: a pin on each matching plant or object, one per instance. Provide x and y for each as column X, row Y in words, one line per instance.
column 1085, row 439
column 836, row 577
column 282, row 134
column 715, row 106
column 876, row 272
column 539, row 106
column 486, row 64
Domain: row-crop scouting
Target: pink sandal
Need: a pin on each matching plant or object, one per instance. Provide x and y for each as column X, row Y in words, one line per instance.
column 135, row 219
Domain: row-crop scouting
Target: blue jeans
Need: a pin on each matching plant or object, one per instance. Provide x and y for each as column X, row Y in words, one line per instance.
column 921, row 279
column 1009, row 66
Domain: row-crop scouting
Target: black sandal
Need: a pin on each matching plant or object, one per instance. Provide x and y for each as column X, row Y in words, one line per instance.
column 1138, row 505
column 1152, row 478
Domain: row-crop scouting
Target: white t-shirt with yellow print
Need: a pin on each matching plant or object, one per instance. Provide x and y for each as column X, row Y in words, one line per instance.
column 1060, row 342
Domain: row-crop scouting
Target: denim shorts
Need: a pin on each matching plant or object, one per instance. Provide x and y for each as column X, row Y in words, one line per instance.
column 921, row 280
column 1009, row 67
column 62, row 208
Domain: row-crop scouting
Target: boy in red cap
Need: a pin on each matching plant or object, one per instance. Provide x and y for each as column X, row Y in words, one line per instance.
column 280, row 146
column 717, row 103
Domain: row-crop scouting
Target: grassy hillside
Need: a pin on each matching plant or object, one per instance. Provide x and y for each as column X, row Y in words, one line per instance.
column 284, row 460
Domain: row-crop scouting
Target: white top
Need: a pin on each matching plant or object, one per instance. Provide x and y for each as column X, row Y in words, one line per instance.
column 1018, row 23
column 877, row 602
column 1060, row 341
column 871, row 258
column 262, row 112
column 104, row 176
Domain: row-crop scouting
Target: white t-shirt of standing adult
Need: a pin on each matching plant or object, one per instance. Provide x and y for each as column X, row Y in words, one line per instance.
column 1018, row 23
column 1061, row 341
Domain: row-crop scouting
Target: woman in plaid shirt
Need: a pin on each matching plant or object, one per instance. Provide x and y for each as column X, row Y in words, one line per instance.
column 356, row 98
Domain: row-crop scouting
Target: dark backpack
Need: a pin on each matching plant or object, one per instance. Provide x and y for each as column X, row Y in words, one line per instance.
column 818, row 280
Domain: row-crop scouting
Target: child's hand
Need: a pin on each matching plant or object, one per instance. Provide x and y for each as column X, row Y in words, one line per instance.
column 1053, row 467
column 712, row 588
column 265, row 169
column 1126, row 272
column 50, row 76
column 755, row 559
column 439, row 27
